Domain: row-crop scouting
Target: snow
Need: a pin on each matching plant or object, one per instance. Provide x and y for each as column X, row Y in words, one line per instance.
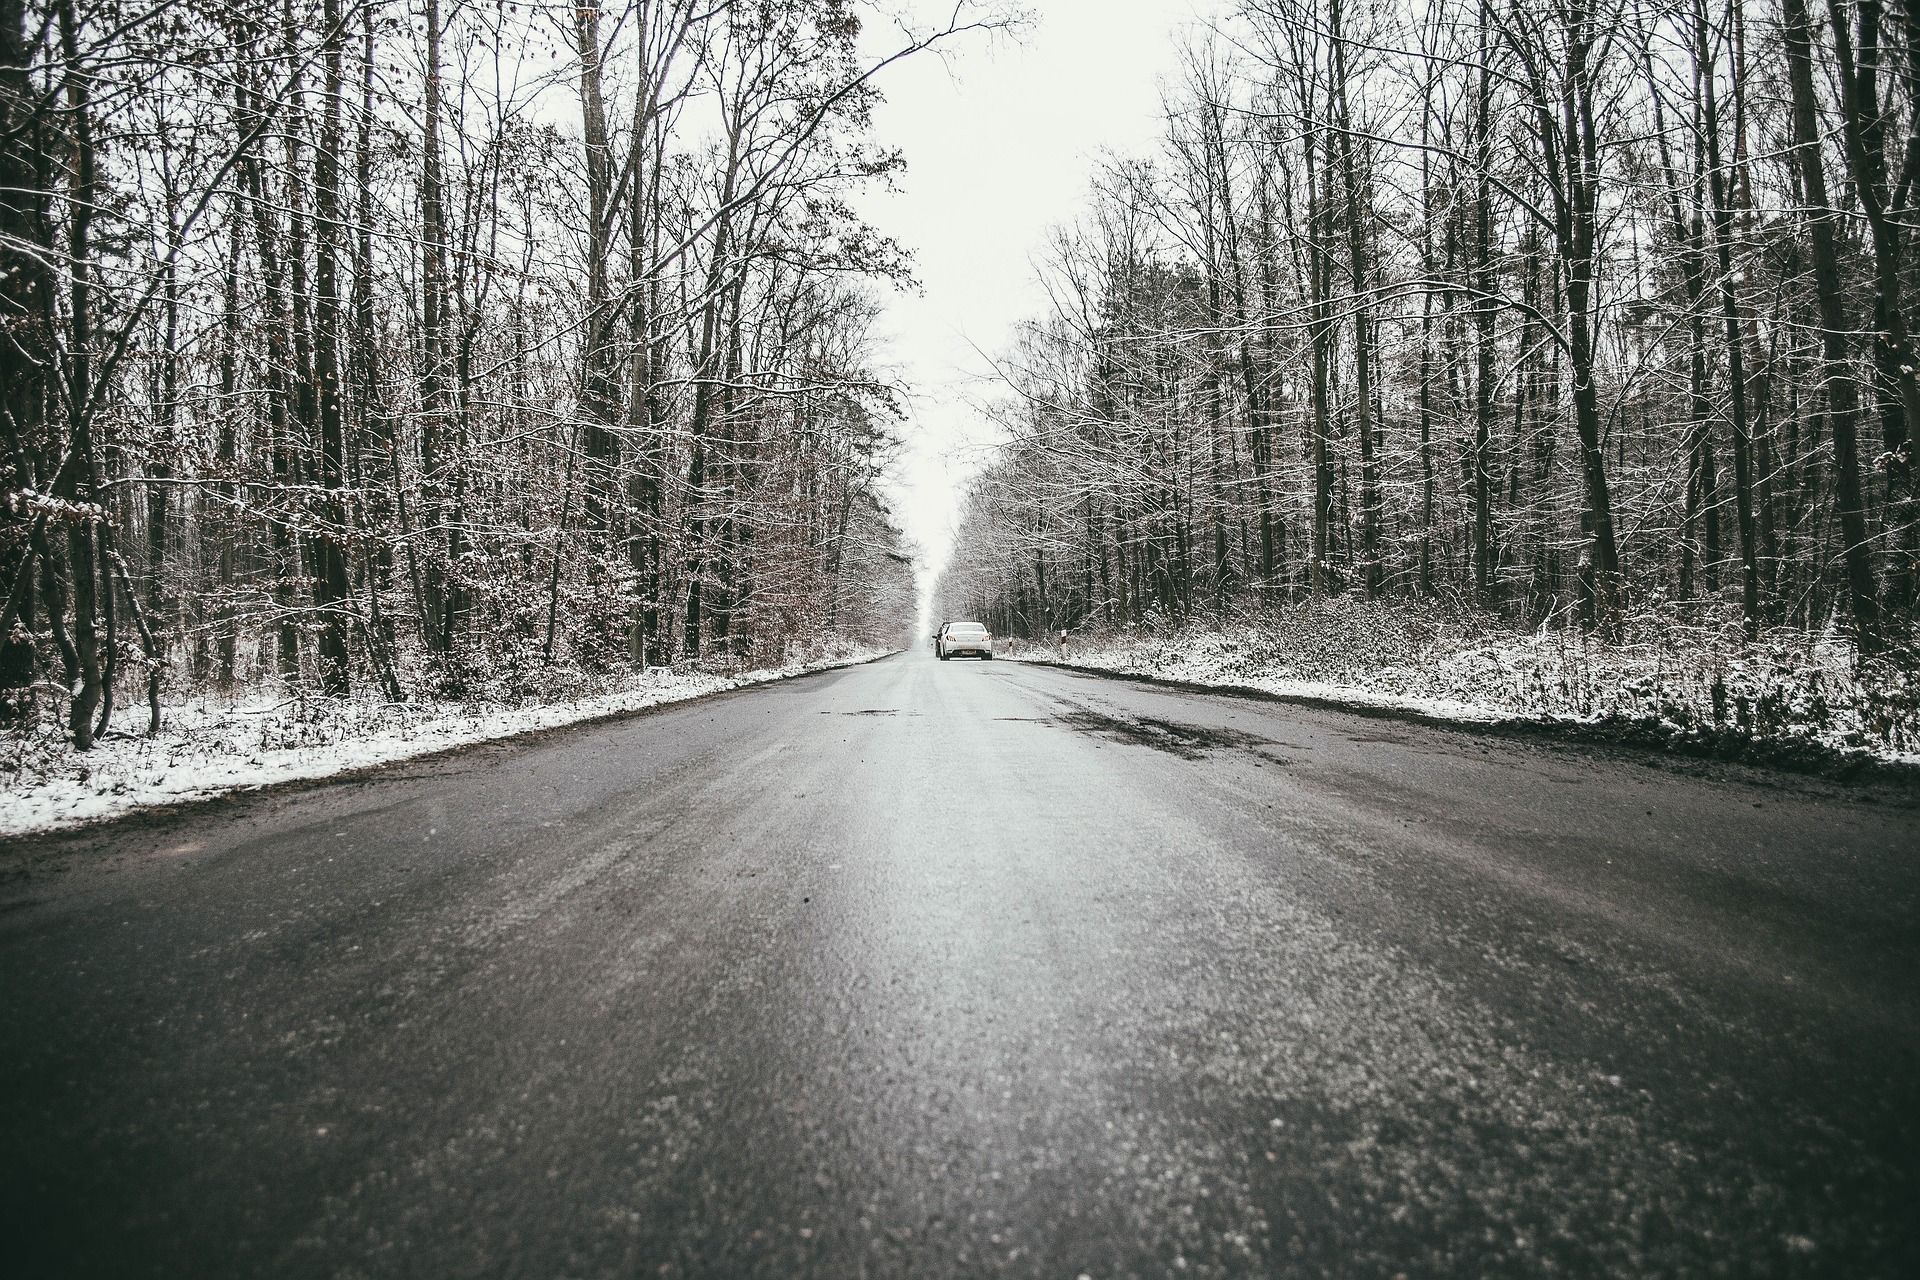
column 209, row 748
column 1696, row 686
column 1206, row 668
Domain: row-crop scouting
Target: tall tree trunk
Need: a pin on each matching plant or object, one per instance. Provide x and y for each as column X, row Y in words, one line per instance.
column 433, row 584
column 1843, row 395
column 598, row 398
column 1570, row 142
column 1320, row 322
column 26, row 343
column 1863, row 125
column 82, row 484
column 1485, row 306
column 330, row 586
column 1743, row 479
column 1358, row 211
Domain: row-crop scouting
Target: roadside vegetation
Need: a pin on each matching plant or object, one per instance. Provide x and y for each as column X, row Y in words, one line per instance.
column 1789, row 696
column 1552, row 359
column 360, row 356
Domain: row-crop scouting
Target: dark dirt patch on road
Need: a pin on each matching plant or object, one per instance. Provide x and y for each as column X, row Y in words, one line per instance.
column 1807, row 768
column 1188, row 741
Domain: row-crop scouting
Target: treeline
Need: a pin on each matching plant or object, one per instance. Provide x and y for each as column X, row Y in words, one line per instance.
column 421, row 349
column 1565, row 310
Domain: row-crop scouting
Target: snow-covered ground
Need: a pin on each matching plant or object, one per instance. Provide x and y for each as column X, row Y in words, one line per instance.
column 1695, row 687
column 209, row 747
column 1209, row 662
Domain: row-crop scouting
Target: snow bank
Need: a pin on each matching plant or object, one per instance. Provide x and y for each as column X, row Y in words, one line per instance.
column 1698, row 687
column 208, row 748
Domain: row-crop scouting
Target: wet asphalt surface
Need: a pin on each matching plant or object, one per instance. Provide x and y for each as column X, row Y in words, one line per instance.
column 944, row 969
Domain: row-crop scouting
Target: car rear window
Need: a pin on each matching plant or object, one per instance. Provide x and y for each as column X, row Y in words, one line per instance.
column 966, row 630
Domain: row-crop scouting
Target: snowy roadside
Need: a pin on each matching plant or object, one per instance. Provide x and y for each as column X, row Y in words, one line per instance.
column 1199, row 672
column 209, row 748
column 1801, row 706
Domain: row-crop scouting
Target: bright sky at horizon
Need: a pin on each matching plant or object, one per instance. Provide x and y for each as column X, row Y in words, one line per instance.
column 1001, row 139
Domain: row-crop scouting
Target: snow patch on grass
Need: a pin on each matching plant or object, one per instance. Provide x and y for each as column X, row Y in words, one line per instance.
column 209, row 747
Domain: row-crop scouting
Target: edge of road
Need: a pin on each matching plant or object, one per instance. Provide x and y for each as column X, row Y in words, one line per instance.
column 1636, row 739
column 15, row 844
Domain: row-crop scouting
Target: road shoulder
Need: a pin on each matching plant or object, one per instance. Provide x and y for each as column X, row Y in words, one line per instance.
column 188, row 767
column 1859, row 774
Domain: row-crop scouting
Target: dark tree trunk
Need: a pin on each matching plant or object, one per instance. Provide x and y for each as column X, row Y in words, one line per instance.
column 1842, row 392
column 330, row 586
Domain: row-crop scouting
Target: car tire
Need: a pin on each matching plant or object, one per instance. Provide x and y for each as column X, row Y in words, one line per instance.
column 986, row 657
column 943, row 657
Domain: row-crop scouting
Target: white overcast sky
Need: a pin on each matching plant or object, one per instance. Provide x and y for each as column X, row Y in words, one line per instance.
column 1001, row 139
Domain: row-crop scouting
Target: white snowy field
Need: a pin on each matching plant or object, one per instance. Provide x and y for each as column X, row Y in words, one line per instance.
column 1699, row 686
column 209, row 747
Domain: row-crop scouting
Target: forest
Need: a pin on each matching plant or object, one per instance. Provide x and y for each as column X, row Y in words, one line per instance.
column 1584, row 315
column 356, row 349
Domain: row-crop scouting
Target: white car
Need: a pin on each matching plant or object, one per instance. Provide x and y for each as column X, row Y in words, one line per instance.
column 964, row 637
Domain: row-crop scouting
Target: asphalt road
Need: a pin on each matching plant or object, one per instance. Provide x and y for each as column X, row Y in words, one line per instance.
column 943, row 969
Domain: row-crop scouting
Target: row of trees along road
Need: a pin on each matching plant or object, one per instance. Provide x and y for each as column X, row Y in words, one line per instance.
column 426, row 344
column 1562, row 307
